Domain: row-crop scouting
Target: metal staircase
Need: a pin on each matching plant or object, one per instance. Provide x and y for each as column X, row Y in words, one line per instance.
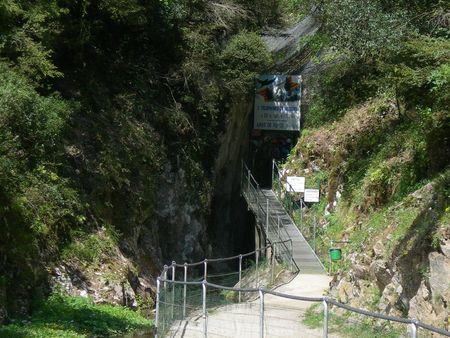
column 277, row 226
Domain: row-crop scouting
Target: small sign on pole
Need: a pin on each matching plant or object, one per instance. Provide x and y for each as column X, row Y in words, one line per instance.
column 295, row 184
column 312, row 195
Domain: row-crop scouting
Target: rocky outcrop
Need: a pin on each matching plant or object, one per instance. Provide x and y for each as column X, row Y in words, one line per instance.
column 231, row 231
column 440, row 277
column 180, row 223
column 413, row 277
column 114, row 280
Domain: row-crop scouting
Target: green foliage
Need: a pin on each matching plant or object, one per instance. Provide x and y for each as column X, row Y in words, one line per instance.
column 91, row 248
column 244, row 57
column 343, row 85
column 349, row 326
column 28, row 43
column 361, row 29
column 37, row 121
column 48, row 204
column 439, row 80
column 65, row 316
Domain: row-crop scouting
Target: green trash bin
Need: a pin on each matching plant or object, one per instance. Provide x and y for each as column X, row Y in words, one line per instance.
column 335, row 254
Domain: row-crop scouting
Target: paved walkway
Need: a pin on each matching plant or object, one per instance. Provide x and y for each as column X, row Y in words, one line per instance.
column 282, row 317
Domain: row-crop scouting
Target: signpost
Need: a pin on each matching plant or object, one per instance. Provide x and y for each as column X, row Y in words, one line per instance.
column 312, row 195
column 295, row 184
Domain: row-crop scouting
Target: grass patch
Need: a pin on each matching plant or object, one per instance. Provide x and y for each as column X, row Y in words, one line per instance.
column 91, row 247
column 349, row 326
column 66, row 316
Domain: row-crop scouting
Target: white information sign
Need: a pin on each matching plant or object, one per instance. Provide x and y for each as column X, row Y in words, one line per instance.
column 277, row 102
column 295, row 184
column 312, row 195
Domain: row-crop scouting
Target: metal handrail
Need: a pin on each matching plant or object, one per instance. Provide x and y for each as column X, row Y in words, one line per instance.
column 224, row 259
column 278, row 194
column 254, row 191
column 326, row 300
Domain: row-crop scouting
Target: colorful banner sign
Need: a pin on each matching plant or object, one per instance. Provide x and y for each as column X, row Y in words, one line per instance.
column 277, row 102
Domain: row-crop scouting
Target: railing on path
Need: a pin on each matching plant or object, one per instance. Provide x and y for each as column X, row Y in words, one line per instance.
column 177, row 297
column 268, row 222
column 189, row 296
column 295, row 207
column 414, row 325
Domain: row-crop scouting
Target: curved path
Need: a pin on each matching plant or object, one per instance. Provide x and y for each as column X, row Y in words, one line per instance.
column 282, row 317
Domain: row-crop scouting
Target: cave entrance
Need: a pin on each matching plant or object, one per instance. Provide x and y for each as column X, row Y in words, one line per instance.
column 265, row 146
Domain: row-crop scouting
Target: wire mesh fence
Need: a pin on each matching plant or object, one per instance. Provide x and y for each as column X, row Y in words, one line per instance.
column 180, row 293
column 231, row 297
column 273, row 314
column 269, row 222
column 295, row 207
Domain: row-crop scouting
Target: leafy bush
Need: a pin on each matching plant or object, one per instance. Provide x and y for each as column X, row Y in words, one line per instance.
column 90, row 248
column 243, row 58
column 361, row 29
column 36, row 120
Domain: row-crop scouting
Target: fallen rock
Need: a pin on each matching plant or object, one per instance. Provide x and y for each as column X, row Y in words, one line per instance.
column 379, row 249
column 345, row 291
column 421, row 308
column 439, row 276
column 445, row 247
column 390, row 298
column 380, row 272
column 360, row 271
column 444, row 239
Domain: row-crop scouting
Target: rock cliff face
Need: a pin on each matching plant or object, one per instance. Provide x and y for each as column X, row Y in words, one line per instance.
column 126, row 276
column 232, row 230
column 413, row 279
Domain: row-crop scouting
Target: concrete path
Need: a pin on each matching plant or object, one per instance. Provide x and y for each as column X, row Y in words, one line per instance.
column 282, row 317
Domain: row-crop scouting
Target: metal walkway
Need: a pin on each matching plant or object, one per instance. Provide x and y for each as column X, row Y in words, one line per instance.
column 277, row 225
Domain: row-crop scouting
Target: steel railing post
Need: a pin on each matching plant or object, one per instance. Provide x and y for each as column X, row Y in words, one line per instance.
column 205, row 323
column 272, row 261
column 315, row 229
column 414, row 328
column 165, row 296
column 325, row 318
column 278, row 227
column 185, row 289
column 261, row 313
column 257, row 269
column 158, row 287
column 267, row 219
column 205, row 269
column 173, row 289
column 301, row 213
column 240, row 276
column 292, row 254
column 273, row 173
column 248, row 180
column 165, row 277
